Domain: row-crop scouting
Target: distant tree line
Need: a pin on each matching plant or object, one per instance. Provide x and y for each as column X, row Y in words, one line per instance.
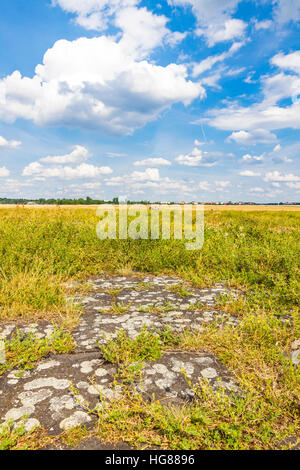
column 64, row 202
column 115, row 200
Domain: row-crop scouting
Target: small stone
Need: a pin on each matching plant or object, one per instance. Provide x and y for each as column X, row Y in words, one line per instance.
column 32, row 398
column 295, row 344
column 296, row 357
column 100, row 372
column 47, row 365
column 77, row 419
column 59, row 384
column 16, row 413
column 209, row 373
column 31, row 424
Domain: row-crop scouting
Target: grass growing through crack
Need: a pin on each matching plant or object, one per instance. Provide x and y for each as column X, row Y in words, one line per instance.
column 17, row 438
column 131, row 354
column 122, row 349
column 180, row 290
column 23, row 351
column 260, row 416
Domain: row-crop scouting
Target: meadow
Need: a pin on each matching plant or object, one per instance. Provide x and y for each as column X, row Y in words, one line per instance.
column 256, row 251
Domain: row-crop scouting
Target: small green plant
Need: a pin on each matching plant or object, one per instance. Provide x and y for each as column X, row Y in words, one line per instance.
column 144, row 286
column 124, row 350
column 15, row 437
column 8, row 438
column 168, row 337
column 119, row 308
column 158, row 309
column 74, row 435
column 23, row 351
column 180, row 290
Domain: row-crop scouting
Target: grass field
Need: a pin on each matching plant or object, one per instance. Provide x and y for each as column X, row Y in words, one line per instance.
column 254, row 250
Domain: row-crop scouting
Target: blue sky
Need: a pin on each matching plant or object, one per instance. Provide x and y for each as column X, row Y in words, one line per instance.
column 175, row 100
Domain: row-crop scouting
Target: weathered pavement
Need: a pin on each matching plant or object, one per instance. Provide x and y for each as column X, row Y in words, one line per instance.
column 46, row 396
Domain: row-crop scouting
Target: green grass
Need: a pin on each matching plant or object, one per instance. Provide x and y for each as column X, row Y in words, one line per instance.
column 23, row 351
column 257, row 252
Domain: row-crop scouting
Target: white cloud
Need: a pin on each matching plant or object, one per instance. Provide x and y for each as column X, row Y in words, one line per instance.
column 276, row 176
column 286, row 11
column 198, row 142
column 252, row 138
column 256, row 190
column 220, row 185
column 93, row 14
column 267, row 114
column 142, row 30
column 175, row 37
column 94, row 83
column 4, row 172
column 196, row 157
column 79, row 154
column 204, row 186
column 263, row 25
column 214, row 19
column 153, row 162
column 231, row 29
column 252, row 158
column 210, row 61
column 9, row 143
column 293, row 185
column 249, row 173
column 150, row 174
column 289, row 62
column 66, row 172
column 116, row 154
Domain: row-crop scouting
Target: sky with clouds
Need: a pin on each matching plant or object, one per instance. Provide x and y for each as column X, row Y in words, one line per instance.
column 172, row 100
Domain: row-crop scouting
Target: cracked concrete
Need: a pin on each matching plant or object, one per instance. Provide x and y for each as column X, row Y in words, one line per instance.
column 61, row 390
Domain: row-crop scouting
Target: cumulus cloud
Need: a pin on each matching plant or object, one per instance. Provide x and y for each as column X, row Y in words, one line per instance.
column 215, row 21
column 153, row 162
column 220, row 185
column 263, row 25
column 249, row 173
column 252, row 158
column 143, row 31
column 93, row 14
column 294, row 185
column 257, row 136
column 286, row 11
column 79, row 154
column 196, row 157
column 256, row 190
column 83, row 170
column 150, row 174
column 289, row 62
column 94, row 83
column 137, row 182
column 4, row 172
column 204, row 186
column 277, row 176
column 270, row 113
column 210, row 61
column 10, row 144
